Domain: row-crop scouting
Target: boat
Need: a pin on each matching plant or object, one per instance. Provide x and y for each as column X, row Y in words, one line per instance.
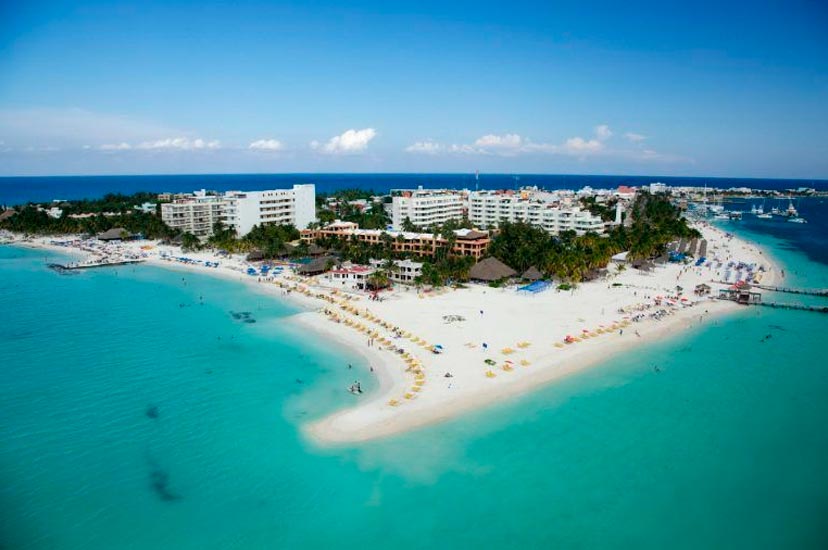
column 797, row 220
column 735, row 215
column 791, row 211
column 764, row 216
column 757, row 210
column 722, row 216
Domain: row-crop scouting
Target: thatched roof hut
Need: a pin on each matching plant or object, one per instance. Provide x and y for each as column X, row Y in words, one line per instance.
column 316, row 250
column 255, row 256
column 115, row 234
column 316, row 266
column 6, row 214
column 490, row 269
column 532, row 274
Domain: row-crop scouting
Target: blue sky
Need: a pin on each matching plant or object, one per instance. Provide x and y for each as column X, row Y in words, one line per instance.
column 703, row 88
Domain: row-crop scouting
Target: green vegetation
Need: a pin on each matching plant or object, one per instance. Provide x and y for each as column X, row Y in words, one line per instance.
column 373, row 218
column 606, row 211
column 33, row 221
column 270, row 240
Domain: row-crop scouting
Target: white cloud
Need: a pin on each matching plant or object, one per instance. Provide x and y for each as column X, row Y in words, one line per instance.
column 506, row 141
column 427, row 147
column 123, row 146
column 581, row 146
column 511, row 144
column 603, row 132
column 350, row 141
column 179, row 144
column 266, row 145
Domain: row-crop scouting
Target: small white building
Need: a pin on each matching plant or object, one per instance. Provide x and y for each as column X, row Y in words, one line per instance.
column 404, row 271
column 349, row 276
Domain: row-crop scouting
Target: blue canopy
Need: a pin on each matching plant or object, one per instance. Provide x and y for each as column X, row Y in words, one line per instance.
column 535, row 287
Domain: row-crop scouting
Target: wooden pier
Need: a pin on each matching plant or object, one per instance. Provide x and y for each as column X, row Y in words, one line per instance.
column 804, row 291
column 799, row 307
column 92, row 265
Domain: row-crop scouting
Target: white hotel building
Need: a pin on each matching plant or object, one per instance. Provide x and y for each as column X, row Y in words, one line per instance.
column 426, row 207
column 194, row 214
column 487, row 209
column 241, row 210
column 244, row 209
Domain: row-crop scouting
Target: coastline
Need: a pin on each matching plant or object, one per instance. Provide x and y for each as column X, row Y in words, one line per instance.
column 541, row 322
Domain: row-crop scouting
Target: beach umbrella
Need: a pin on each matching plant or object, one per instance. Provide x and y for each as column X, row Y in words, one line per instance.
column 490, row 374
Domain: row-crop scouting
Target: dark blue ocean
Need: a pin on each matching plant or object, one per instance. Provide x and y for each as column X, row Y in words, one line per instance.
column 18, row 190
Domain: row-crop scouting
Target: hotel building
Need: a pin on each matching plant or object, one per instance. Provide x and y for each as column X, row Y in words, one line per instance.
column 467, row 242
column 490, row 208
column 244, row 209
column 426, row 207
column 196, row 214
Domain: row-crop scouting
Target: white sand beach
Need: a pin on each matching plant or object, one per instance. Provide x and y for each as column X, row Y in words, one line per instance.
column 496, row 342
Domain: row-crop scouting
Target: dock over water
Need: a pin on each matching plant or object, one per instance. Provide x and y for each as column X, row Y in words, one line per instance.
column 804, row 291
column 94, row 264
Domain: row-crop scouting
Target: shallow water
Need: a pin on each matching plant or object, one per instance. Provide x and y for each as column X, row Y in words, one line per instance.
column 723, row 445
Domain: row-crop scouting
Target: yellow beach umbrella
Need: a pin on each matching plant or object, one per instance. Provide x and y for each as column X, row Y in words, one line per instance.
column 393, row 402
column 525, row 363
column 490, row 374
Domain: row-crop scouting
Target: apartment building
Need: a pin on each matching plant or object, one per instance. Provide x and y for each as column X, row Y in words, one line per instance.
column 426, row 207
column 467, row 242
column 244, row 209
column 490, row 208
column 196, row 213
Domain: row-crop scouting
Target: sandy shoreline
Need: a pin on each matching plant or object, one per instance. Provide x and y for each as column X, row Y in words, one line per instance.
column 521, row 336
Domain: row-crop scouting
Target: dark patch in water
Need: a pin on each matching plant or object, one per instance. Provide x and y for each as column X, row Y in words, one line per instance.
column 159, row 482
column 152, row 411
column 777, row 327
column 243, row 316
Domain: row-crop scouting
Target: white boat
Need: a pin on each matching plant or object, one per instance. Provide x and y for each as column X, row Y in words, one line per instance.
column 791, row 211
column 797, row 220
column 757, row 210
column 764, row 216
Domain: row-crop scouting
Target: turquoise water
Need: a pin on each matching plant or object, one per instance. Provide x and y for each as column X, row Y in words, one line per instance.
column 725, row 447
